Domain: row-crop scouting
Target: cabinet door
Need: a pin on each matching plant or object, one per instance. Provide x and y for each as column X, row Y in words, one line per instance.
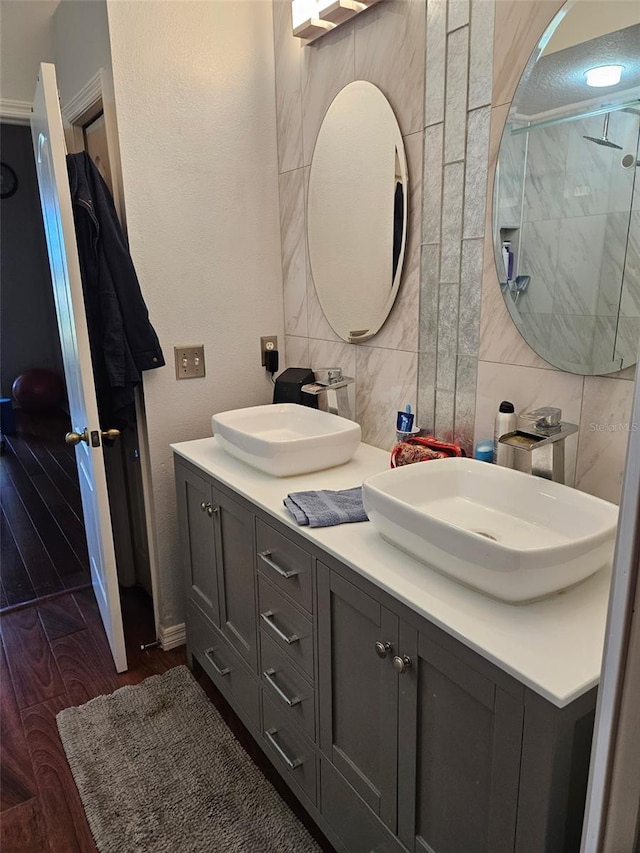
column 358, row 691
column 459, row 754
column 195, row 505
column 235, row 551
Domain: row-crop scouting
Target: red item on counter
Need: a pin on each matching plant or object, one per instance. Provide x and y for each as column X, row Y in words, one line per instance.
column 422, row 449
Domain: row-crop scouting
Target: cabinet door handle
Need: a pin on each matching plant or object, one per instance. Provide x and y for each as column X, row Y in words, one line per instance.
column 269, row 676
column 265, row 556
column 209, row 508
column 401, row 664
column 267, row 617
column 221, row 670
column 383, row 649
column 291, row 763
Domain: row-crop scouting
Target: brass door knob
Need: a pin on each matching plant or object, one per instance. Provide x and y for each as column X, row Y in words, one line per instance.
column 401, row 664
column 76, row 437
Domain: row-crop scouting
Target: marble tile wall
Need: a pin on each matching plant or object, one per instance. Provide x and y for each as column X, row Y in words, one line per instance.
column 433, row 351
column 415, row 51
column 508, row 368
column 385, row 45
column 457, row 117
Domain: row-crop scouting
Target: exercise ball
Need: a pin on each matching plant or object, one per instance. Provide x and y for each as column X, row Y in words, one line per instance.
column 38, row 390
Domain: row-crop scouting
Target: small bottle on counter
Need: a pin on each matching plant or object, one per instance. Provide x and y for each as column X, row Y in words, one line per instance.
column 505, row 422
column 484, row 450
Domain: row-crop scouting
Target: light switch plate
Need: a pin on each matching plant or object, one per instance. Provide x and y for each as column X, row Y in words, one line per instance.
column 189, row 361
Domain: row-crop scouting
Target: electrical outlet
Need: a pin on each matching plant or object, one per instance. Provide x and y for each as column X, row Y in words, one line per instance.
column 189, row 362
column 267, row 344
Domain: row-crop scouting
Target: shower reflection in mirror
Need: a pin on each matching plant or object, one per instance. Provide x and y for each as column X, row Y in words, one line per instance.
column 566, row 212
column 567, row 224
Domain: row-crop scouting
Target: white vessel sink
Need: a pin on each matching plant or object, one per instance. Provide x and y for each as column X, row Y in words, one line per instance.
column 510, row 535
column 286, row 439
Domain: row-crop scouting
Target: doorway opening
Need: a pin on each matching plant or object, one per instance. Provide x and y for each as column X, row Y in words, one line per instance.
column 44, row 549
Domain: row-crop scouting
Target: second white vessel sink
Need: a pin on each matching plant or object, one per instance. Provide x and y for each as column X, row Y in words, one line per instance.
column 510, row 535
column 285, row 439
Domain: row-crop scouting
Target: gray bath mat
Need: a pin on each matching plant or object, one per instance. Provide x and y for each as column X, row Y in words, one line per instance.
column 158, row 771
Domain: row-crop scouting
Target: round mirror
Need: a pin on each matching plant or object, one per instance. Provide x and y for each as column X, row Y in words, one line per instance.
column 566, row 202
column 357, row 211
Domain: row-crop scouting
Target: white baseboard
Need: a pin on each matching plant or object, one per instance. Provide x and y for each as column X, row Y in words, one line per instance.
column 172, row 637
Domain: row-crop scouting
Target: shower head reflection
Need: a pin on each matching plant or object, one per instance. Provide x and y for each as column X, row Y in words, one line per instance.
column 604, row 139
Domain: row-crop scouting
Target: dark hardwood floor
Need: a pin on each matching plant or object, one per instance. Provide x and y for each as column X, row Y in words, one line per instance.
column 53, row 650
column 42, row 538
column 53, row 655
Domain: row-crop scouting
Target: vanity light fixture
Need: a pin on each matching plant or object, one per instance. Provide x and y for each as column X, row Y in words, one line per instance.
column 311, row 19
column 604, row 75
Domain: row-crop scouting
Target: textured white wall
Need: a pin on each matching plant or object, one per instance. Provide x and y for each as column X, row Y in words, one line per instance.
column 81, row 42
column 25, row 41
column 194, row 86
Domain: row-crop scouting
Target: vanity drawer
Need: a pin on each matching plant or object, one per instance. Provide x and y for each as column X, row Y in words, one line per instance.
column 286, row 625
column 223, row 666
column 287, row 566
column 288, row 688
column 357, row 827
column 290, row 750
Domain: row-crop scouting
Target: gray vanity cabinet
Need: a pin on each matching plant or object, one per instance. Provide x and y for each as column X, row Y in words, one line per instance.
column 195, row 508
column 235, row 550
column 395, row 736
column 218, row 553
column 459, row 755
column 358, row 690
column 434, row 749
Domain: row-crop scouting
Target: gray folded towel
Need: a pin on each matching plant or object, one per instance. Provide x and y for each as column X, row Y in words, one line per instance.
column 325, row 508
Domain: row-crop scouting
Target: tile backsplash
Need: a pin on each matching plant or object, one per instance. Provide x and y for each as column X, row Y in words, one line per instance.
column 385, row 46
column 449, row 69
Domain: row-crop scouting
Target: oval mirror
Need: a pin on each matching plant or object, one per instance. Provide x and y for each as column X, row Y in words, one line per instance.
column 357, row 211
column 566, row 202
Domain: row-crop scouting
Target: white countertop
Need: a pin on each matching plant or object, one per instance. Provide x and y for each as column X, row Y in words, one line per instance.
column 554, row 646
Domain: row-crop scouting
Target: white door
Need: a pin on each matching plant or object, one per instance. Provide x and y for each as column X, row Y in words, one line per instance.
column 57, row 212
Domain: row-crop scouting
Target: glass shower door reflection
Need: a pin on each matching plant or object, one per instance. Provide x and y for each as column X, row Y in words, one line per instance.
column 628, row 325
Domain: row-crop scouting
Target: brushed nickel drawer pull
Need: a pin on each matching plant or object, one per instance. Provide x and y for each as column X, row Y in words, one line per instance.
column 267, row 617
column 265, row 556
column 291, row 763
column 269, row 676
column 221, row 670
